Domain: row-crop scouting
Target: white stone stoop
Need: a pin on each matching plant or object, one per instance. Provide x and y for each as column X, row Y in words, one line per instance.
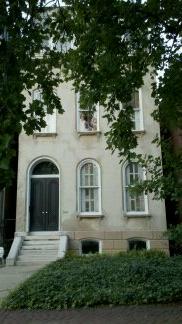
column 41, row 249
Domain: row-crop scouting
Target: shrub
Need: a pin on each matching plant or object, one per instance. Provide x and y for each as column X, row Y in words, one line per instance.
column 144, row 254
column 174, row 233
column 100, row 280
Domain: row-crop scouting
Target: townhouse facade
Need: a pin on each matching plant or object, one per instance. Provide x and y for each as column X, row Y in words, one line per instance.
column 69, row 184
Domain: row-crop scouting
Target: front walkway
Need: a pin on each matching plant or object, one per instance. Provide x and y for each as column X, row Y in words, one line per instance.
column 11, row 276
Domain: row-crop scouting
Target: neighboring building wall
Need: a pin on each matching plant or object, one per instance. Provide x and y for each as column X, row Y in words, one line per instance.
column 67, row 149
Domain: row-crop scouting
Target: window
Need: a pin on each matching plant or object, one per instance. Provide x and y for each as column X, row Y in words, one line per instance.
column 57, row 45
column 87, row 121
column 89, row 246
column 137, row 111
column 134, row 203
column 50, row 120
column 89, row 188
column 45, row 167
column 137, row 244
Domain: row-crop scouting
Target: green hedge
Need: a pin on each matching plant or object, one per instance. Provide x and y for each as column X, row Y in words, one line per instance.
column 140, row 278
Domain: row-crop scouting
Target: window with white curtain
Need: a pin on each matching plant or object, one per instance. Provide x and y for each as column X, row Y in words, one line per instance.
column 89, row 188
column 87, row 120
column 50, row 120
column 134, row 203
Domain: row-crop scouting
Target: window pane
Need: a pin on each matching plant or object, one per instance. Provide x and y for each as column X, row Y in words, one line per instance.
column 89, row 200
column 140, row 173
column 87, row 206
column 50, row 122
column 45, row 167
column 89, row 175
column 90, row 168
column 134, row 202
column 87, row 121
column 92, row 206
column 135, row 103
column 135, row 167
column 95, row 176
column 136, row 119
column 91, row 179
column 140, row 203
column 96, row 199
column 137, row 245
column 83, row 200
column 90, row 247
column 86, row 182
column 135, row 99
column 37, row 95
column 128, row 201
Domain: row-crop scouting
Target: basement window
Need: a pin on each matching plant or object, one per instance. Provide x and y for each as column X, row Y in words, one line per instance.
column 137, row 245
column 89, row 247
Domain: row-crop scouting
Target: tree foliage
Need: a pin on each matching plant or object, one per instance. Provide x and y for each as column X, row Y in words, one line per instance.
column 115, row 44
column 22, row 37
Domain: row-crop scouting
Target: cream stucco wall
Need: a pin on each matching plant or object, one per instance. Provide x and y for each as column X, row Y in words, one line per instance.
column 67, row 149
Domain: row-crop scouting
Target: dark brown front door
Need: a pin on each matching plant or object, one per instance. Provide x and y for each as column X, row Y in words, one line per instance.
column 44, row 204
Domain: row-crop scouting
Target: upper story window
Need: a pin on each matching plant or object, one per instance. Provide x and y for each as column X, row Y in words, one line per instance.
column 57, row 46
column 89, row 188
column 87, row 120
column 136, row 103
column 134, row 203
column 50, row 120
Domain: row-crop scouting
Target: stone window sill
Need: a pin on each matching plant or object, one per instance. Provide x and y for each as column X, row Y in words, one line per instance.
column 35, row 135
column 90, row 215
column 139, row 132
column 137, row 215
column 88, row 133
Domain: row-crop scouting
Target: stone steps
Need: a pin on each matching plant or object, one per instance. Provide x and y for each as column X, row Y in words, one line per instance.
column 38, row 252
column 32, row 263
column 41, row 237
column 38, row 249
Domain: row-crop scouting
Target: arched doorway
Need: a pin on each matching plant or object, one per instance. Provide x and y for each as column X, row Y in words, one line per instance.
column 44, row 197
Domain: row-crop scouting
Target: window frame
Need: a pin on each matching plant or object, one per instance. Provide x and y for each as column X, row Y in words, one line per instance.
column 92, row 213
column 77, row 94
column 134, row 212
column 140, row 109
column 50, row 119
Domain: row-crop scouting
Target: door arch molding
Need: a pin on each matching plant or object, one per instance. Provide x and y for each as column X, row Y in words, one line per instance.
column 30, row 169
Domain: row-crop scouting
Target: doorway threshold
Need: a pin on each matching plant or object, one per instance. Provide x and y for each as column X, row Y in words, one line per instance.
column 45, row 233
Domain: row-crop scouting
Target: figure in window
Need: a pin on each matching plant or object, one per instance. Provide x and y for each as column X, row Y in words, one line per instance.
column 88, row 122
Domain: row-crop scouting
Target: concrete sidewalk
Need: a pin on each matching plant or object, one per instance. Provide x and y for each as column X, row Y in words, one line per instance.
column 11, row 276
